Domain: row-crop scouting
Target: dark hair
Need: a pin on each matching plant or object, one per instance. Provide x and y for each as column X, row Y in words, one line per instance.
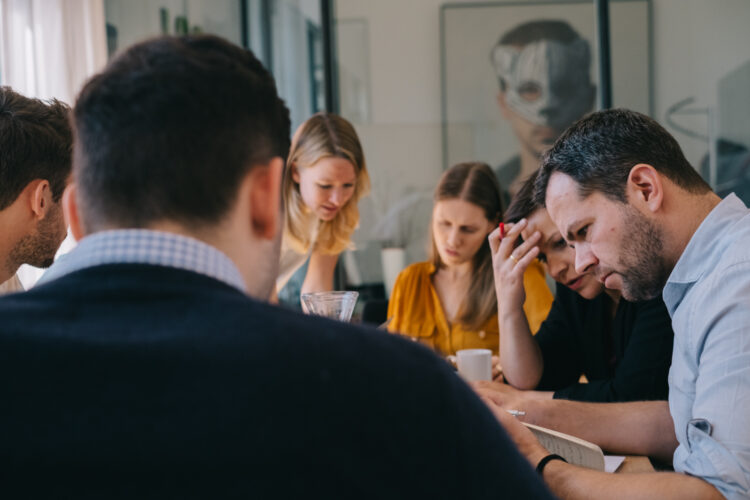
column 523, row 203
column 476, row 183
column 35, row 143
column 170, row 127
column 543, row 29
column 600, row 149
column 533, row 31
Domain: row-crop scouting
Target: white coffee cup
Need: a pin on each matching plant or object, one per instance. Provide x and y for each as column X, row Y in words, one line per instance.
column 474, row 364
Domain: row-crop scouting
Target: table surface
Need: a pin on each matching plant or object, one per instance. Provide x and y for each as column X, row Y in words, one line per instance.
column 635, row 464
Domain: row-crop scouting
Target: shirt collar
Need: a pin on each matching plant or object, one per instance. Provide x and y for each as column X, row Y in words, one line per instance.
column 144, row 246
column 701, row 253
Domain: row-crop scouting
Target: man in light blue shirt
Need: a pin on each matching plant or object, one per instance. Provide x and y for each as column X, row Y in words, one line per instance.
column 643, row 221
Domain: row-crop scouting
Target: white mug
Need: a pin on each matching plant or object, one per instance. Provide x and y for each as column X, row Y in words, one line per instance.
column 474, row 364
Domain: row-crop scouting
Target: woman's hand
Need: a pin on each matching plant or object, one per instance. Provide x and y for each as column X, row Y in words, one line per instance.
column 509, row 264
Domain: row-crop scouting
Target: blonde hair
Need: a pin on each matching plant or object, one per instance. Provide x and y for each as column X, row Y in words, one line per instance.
column 323, row 135
column 475, row 183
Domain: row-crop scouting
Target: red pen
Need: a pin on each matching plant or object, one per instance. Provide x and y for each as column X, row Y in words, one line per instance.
column 502, row 230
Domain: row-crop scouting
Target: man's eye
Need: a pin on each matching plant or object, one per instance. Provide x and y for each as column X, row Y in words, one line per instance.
column 583, row 231
column 324, row 186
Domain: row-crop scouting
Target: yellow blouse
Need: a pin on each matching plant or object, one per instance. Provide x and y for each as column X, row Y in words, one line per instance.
column 415, row 311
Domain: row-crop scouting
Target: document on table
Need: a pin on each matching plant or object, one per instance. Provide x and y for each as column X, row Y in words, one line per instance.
column 612, row 462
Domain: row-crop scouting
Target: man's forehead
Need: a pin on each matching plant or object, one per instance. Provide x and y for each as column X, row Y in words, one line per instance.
column 564, row 202
column 561, row 191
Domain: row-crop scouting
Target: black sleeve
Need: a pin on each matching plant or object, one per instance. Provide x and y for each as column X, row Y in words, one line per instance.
column 642, row 372
column 486, row 451
column 558, row 341
column 424, row 428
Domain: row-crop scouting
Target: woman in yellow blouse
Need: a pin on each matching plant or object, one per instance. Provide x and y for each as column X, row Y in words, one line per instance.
column 449, row 302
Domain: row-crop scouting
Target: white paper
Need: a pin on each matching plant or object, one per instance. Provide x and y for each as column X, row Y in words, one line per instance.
column 612, row 462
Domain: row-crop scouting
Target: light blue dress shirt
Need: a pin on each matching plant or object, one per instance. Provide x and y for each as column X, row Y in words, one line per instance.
column 708, row 297
column 143, row 246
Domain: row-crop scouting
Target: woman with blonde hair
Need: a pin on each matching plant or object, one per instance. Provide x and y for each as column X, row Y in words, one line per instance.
column 324, row 179
column 449, row 302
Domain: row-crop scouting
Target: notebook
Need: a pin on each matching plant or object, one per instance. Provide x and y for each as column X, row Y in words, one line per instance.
column 575, row 450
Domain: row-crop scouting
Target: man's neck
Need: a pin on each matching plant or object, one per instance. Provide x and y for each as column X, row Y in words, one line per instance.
column 683, row 223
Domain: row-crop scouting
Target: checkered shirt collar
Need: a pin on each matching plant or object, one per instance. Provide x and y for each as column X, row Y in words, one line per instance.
column 143, row 246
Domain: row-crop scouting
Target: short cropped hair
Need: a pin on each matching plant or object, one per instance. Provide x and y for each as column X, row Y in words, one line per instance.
column 168, row 130
column 534, row 31
column 542, row 29
column 600, row 150
column 35, row 143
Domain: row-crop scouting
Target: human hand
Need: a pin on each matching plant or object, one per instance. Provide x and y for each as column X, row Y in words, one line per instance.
column 503, row 395
column 509, row 264
column 526, row 442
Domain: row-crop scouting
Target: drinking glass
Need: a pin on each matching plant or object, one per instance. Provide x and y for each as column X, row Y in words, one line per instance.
column 334, row 305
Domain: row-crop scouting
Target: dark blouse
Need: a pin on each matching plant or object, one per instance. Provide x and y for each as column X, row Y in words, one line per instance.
column 625, row 359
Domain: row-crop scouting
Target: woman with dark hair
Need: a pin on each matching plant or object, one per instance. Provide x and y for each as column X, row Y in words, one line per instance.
column 449, row 302
column 623, row 348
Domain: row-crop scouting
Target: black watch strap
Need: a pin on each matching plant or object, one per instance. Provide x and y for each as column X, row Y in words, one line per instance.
column 543, row 462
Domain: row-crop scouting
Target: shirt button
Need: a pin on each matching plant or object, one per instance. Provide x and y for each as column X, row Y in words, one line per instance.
column 482, row 334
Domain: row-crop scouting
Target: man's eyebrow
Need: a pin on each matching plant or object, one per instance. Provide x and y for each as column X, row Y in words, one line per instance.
column 570, row 236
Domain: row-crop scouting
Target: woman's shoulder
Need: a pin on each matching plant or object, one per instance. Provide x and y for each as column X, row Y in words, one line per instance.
column 415, row 274
column 419, row 268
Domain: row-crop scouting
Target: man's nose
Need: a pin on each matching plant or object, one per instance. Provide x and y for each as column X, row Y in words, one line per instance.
column 585, row 258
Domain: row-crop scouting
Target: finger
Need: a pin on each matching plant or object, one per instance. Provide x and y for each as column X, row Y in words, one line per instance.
column 511, row 237
column 494, row 239
column 492, row 395
column 525, row 261
column 527, row 245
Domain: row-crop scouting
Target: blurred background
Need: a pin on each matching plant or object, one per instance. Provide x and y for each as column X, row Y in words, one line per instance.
column 418, row 80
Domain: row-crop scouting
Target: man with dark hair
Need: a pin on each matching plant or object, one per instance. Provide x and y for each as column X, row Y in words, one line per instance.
column 643, row 221
column 542, row 68
column 148, row 369
column 35, row 162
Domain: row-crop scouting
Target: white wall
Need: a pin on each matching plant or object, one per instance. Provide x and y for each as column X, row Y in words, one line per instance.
column 139, row 19
column 695, row 43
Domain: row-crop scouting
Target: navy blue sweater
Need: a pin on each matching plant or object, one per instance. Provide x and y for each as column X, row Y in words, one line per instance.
column 144, row 381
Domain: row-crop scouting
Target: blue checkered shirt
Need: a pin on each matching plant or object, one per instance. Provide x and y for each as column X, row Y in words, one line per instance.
column 143, row 246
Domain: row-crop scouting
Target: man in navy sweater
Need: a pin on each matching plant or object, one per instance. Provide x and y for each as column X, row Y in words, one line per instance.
column 148, row 364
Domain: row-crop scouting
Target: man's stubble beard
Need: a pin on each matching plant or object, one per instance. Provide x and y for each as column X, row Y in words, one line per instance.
column 38, row 249
column 645, row 271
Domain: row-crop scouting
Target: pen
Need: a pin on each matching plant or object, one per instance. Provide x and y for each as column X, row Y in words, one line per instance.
column 516, row 413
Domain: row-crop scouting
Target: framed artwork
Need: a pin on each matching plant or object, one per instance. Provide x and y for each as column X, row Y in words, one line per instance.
column 514, row 75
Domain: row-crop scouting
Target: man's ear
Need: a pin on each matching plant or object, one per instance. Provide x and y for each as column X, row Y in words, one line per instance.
column 265, row 198
column 645, row 187
column 70, row 211
column 41, row 197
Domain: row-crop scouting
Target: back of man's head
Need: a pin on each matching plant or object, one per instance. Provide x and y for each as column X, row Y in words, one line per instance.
column 599, row 151
column 169, row 129
column 35, row 143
